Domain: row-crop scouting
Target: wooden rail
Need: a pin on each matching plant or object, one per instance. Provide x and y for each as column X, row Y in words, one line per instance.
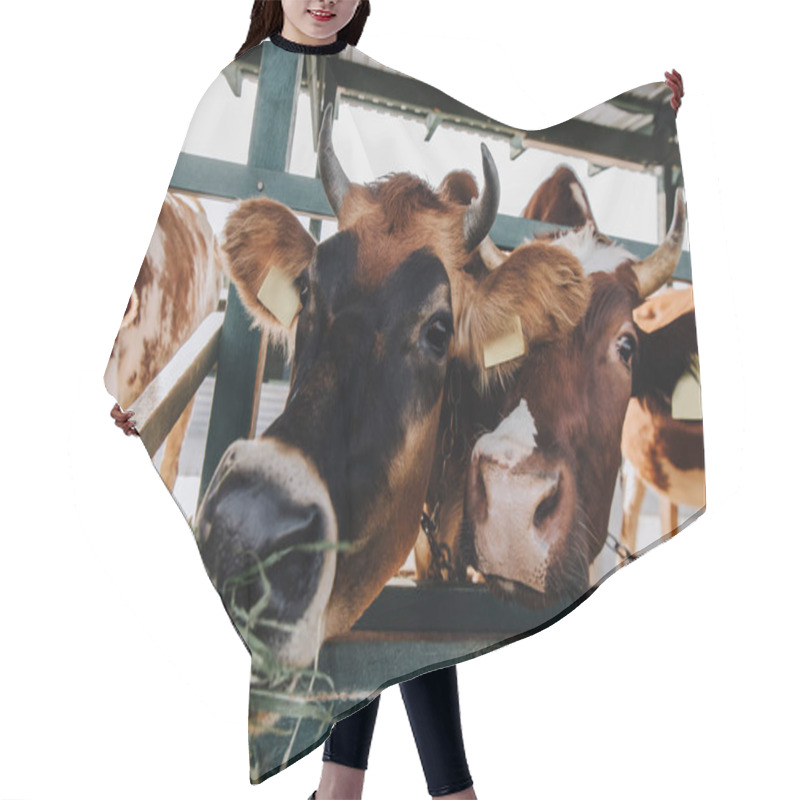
column 158, row 407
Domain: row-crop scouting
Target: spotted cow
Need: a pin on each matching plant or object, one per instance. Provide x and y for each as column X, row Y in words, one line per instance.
column 661, row 451
column 178, row 285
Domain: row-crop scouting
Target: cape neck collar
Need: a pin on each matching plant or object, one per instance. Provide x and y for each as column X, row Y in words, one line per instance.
column 320, row 49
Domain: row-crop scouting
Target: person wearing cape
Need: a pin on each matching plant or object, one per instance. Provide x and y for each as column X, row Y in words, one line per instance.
column 469, row 410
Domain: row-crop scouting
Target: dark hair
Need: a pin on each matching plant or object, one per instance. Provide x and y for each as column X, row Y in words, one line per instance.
column 266, row 18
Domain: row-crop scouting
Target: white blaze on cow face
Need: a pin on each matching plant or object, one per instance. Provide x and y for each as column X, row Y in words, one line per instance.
column 512, row 490
column 594, row 254
column 513, row 440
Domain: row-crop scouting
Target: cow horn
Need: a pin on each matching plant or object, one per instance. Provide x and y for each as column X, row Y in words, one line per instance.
column 655, row 270
column 334, row 180
column 491, row 255
column 482, row 211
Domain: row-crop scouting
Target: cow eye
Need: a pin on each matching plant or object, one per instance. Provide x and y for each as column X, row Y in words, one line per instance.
column 302, row 287
column 626, row 346
column 437, row 335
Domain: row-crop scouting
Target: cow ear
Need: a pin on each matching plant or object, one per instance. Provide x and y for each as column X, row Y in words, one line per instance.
column 543, row 286
column 262, row 235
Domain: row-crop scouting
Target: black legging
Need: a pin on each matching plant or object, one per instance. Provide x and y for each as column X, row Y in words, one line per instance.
column 432, row 706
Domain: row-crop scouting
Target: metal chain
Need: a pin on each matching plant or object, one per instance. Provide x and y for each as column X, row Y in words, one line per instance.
column 619, row 548
column 440, row 551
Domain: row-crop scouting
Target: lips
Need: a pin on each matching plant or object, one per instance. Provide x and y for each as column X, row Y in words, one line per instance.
column 321, row 15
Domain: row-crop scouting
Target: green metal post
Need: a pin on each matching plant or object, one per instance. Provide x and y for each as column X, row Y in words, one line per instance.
column 238, row 369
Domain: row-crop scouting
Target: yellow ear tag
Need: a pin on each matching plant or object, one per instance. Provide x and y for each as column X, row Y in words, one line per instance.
column 279, row 295
column 506, row 345
column 686, row 396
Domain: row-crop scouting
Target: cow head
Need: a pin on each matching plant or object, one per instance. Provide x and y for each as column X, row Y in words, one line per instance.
column 386, row 303
column 540, row 485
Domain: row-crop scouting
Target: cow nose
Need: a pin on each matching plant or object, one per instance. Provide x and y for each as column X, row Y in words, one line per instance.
column 497, row 488
column 546, row 496
column 253, row 530
column 267, row 534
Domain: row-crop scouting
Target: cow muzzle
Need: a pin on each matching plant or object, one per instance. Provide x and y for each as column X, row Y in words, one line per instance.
column 519, row 506
column 266, row 529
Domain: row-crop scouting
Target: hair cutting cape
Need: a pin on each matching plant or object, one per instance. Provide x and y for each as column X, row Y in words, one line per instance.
column 418, row 380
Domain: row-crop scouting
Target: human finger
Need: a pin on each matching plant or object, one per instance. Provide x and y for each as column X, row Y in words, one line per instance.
column 674, row 81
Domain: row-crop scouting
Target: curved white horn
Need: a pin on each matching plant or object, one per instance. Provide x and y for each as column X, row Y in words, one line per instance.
column 334, row 180
column 655, row 270
column 482, row 212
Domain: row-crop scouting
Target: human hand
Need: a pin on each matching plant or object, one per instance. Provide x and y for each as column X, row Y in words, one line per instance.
column 124, row 420
column 675, row 82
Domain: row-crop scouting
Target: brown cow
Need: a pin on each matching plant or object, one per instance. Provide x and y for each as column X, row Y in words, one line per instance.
column 660, row 451
column 540, row 484
column 387, row 303
column 562, row 200
column 177, row 287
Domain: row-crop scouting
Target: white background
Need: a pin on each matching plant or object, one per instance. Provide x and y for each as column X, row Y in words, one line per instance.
column 119, row 674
